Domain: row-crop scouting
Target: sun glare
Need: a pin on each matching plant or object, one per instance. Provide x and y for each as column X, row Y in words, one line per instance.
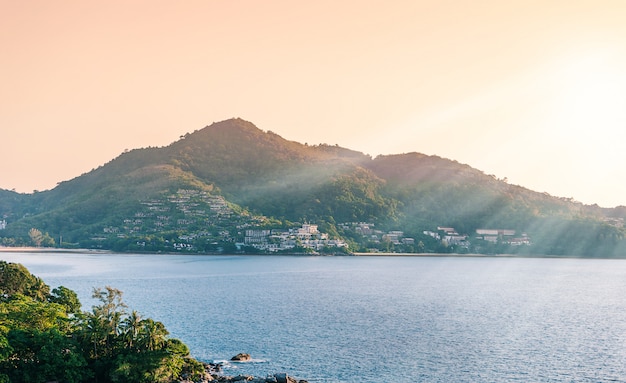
column 590, row 101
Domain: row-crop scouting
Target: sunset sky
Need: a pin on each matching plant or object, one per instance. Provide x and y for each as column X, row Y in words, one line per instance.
column 534, row 91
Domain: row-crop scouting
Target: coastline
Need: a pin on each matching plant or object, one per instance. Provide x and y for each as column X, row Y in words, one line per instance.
column 426, row 255
column 56, row 250
column 477, row 255
column 26, row 249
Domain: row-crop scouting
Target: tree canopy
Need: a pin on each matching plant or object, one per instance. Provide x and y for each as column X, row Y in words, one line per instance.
column 45, row 337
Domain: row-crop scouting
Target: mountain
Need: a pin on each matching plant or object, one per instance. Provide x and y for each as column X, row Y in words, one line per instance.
column 219, row 187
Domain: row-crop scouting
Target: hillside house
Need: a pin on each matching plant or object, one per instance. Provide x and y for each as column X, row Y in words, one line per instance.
column 253, row 237
column 307, row 236
column 503, row 236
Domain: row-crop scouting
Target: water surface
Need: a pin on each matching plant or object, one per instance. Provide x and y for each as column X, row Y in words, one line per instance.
column 374, row 319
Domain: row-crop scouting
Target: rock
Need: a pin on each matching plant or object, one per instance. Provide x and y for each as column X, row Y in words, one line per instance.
column 221, row 378
column 241, row 357
column 284, row 378
column 211, row 375
column 213, row 368
column 243, row 378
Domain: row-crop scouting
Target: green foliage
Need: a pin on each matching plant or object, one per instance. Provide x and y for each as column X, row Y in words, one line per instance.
column 16, row 279
column 67, row 298
column 580, row 237
column 26, row 313
column 44, row 356
column 49, row 339
column 259, row 174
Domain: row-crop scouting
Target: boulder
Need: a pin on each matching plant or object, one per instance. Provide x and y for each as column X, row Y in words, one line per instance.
column 213, row 368
column 243, row 378
column 241, row 357
column 284, row 378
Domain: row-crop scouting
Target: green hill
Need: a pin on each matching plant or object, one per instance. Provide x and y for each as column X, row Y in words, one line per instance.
column 204, row 191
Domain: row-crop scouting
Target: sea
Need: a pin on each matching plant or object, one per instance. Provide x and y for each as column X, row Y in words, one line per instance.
column 373, row 319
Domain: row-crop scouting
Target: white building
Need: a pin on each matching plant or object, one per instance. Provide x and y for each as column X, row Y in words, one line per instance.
column 256, row 236
column 502, row 232
column 308, row 229
column 306, row 236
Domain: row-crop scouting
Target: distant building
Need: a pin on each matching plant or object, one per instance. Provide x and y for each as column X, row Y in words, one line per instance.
column 523, row 240
column 3, row 224
column 256, row 236
column 307, row 236
column 308, row 229
column 447, row 230
column 503, row 236
column 502, row 232
column 432, row 234
column 487, row 232
column 364, row 228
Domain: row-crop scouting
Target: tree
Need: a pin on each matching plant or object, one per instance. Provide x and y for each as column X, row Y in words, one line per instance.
column 152, row 335
column 35, row 341
column 36, row 237
column 44, row 337
column 39, row 239
column 67, row 298
column 112, row 307
column 26, row 313
column 102, row 325
column 124, row 347
column 44, row 356
column 16, row 279
column 131, row 328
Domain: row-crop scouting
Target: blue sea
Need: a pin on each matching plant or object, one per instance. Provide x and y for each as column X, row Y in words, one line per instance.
column 374, row 319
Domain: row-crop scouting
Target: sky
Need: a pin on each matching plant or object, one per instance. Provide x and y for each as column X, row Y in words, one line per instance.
column 530, row 91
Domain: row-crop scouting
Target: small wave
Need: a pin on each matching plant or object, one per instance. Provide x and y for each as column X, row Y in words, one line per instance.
column 249, row 361
column 227, row 362
column 219, row 361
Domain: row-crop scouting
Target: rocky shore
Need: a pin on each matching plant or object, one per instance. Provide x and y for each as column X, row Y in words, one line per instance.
column 214, row 374
column 276, row 378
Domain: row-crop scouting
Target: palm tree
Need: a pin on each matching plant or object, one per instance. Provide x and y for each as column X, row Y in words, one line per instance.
column 95, row 335
column 102, row 325
column 153, row 335
column 131, row 328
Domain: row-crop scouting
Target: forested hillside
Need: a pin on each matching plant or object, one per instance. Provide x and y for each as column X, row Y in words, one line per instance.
column 231, row 186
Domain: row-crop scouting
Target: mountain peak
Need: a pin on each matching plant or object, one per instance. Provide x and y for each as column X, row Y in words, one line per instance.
column 234, row 123
column 234, row 162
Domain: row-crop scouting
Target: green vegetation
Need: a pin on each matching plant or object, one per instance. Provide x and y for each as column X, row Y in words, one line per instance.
column 45, row 337
column 201, row 194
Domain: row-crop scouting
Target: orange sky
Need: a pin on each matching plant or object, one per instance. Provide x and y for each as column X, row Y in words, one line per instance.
column 534, row 91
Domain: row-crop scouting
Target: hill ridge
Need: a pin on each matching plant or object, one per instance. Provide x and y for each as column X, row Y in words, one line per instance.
column 269, row 182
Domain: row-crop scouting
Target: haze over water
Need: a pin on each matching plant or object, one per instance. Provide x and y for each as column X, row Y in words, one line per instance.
column 375, row 319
